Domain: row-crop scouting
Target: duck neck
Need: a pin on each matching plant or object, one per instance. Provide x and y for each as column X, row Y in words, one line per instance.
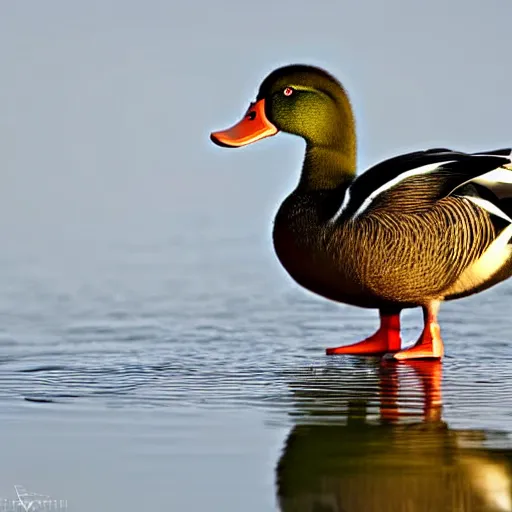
column 330, row 161
column 327, row 167
column 327, row 172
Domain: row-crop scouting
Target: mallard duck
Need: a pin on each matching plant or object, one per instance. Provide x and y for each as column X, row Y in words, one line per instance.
column 412, row 231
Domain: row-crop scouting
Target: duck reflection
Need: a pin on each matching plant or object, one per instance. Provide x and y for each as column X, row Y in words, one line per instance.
column 375, row 441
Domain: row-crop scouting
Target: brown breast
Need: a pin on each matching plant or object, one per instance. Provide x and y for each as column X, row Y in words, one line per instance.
column 301, row 248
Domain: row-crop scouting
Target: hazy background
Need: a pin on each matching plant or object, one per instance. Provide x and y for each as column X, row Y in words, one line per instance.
column 106, row 106
column 128, row 238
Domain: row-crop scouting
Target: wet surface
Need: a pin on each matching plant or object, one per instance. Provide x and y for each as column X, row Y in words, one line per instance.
column 388, row 446
column 135, row 378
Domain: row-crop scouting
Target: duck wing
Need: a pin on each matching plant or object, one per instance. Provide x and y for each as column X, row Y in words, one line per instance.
column 415, row 182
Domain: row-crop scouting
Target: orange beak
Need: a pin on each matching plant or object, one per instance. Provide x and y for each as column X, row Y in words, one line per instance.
column 254, row 126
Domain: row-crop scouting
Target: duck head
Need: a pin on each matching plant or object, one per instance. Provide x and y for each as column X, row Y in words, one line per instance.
column 296, row 99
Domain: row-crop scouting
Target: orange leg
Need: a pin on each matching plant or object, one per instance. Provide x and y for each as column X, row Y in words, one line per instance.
column 385, row 340
column 429, row 345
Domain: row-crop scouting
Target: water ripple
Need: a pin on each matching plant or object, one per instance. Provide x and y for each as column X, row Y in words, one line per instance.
column 125, row 333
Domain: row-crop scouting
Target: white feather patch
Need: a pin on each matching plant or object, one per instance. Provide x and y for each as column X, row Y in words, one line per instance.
column 499, row 175
column 491, row 261
column 488, row 206
column 343, row 206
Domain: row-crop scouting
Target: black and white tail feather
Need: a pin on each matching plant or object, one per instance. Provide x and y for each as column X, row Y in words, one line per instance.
column 414, row 182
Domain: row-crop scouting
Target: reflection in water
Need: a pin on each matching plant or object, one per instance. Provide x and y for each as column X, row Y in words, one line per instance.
column 403, row 459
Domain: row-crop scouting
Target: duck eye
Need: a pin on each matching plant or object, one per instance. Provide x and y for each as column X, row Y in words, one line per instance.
column 288, row 91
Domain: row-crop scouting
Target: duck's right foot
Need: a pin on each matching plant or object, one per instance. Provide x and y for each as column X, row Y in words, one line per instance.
column 386, row 340
column 429, row 346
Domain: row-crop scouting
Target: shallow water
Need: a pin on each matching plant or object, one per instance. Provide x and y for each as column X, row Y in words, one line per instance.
column 172, row 375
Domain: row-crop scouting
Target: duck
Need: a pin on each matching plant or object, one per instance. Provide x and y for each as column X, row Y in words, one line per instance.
column 412, row 231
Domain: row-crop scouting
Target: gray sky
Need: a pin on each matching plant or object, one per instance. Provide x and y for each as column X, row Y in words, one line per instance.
column 106, row 106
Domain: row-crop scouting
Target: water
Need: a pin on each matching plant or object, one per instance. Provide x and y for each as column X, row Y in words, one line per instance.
column 184, row 371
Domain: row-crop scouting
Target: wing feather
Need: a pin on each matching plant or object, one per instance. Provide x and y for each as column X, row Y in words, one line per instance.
column 414, row 182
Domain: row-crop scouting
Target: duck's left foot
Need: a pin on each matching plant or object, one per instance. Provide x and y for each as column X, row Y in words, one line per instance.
column 386, row 339
column 429, row 346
